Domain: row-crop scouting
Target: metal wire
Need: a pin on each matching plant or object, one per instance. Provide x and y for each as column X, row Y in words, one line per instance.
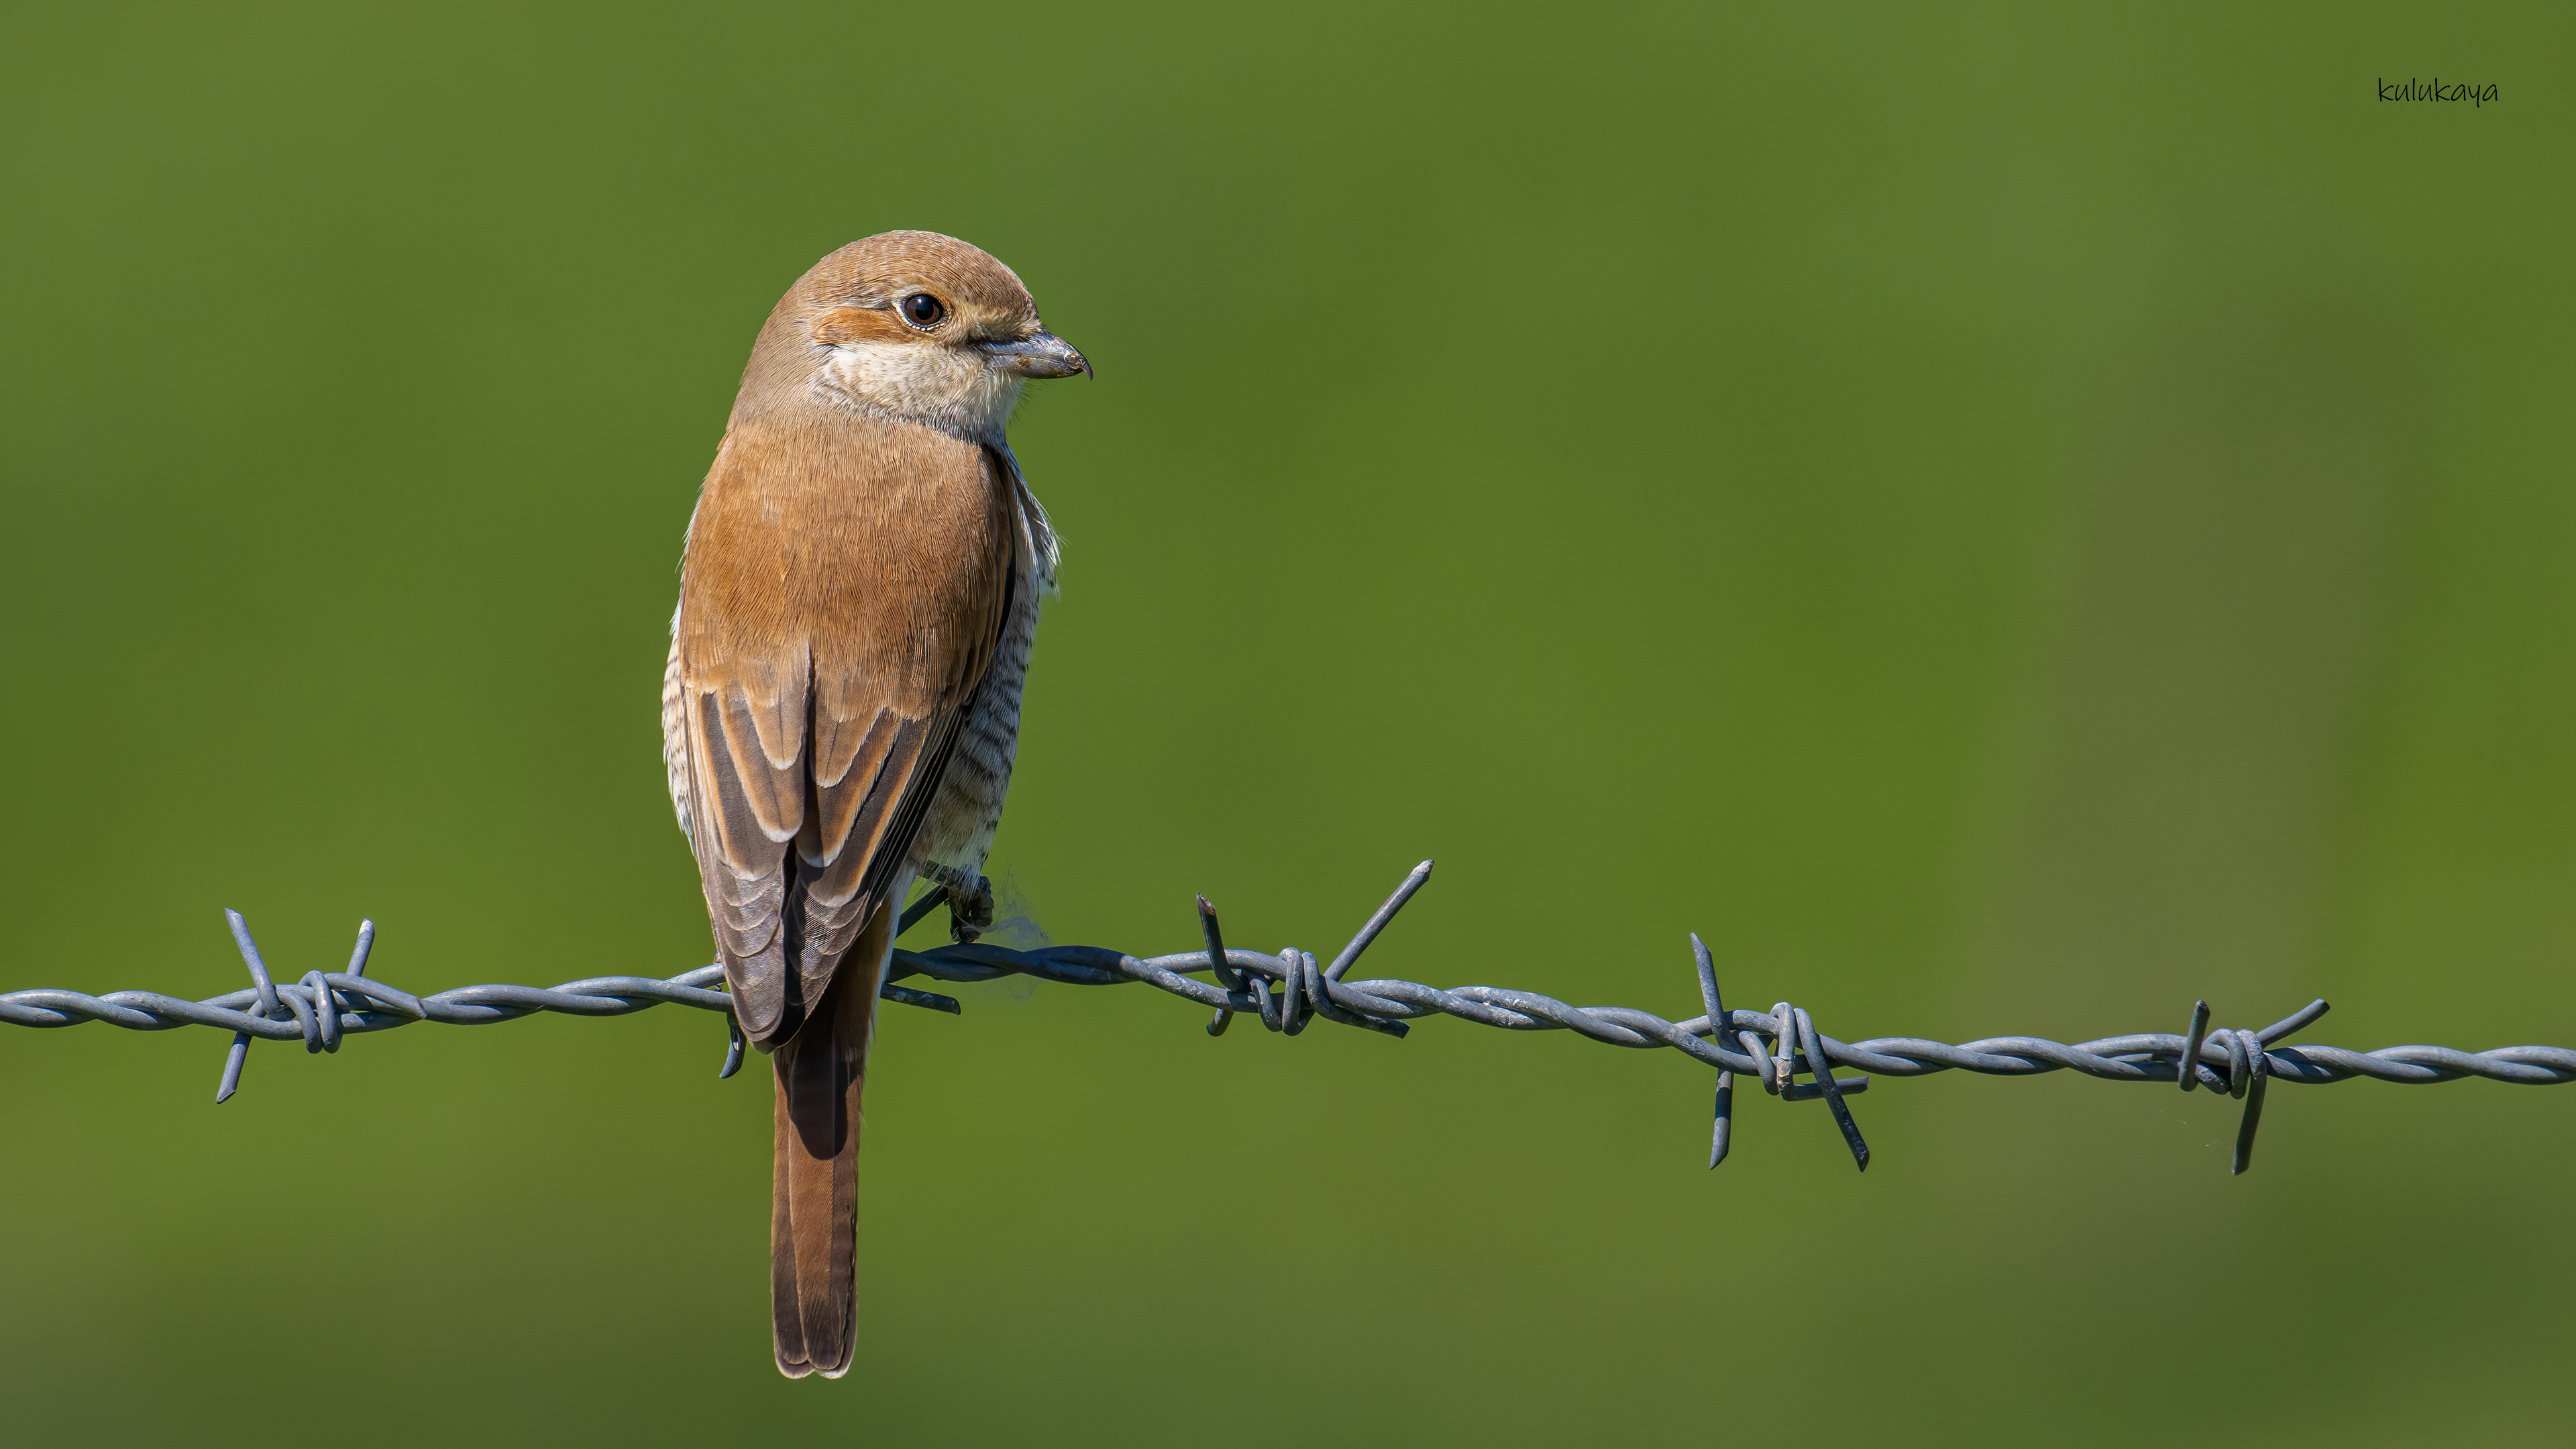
column 1288, row 992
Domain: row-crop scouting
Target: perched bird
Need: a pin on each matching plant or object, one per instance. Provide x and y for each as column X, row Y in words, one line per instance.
column 857, row 599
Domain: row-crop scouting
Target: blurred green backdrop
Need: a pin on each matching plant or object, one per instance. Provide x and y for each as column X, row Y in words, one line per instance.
column 2004, row 520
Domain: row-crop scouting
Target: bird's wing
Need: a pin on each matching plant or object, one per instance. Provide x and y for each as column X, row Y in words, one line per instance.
column 839, row 609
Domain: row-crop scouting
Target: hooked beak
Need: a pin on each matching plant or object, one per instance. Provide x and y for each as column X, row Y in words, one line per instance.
column 1042, row 354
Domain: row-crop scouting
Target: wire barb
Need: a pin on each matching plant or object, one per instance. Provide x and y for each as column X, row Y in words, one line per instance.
column 2249, row 1065
column 1386, row 913
column 1289, row 991
column 2187, row 1068
column 1224, row 974
column 1708, row 997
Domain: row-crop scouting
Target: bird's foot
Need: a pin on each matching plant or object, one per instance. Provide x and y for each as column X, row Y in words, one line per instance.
column 970, row 910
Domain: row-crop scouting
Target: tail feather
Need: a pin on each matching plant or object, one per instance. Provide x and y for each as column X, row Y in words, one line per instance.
column 813, row 1224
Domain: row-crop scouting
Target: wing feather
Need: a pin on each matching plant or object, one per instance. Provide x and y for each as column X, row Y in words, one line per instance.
column 773, row 794
column 837, row 808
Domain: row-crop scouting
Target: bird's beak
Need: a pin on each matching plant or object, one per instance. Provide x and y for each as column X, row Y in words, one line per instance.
column 1041, row 354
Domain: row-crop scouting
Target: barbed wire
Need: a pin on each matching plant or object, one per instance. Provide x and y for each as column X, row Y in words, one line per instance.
column 1288, row 992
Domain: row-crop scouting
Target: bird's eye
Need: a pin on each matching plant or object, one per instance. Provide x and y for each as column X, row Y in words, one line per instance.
column 923, row 310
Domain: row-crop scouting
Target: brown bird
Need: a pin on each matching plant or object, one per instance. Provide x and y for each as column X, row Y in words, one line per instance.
column 843, row 700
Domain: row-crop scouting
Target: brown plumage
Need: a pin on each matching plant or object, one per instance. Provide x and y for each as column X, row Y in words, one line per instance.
column 842, row 703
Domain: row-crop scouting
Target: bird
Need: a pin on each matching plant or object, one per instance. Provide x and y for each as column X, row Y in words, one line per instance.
column 858, row 593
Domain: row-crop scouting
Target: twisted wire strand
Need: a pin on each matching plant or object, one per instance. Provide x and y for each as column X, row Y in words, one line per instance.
column 1289, row 991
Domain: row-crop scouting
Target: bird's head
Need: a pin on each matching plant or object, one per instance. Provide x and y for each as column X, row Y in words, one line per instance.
column 914, row 325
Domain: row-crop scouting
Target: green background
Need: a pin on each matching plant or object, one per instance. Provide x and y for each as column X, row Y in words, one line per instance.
column 2005, row 519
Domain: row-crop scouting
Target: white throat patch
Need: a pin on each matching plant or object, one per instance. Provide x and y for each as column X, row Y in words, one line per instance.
column 952, row 389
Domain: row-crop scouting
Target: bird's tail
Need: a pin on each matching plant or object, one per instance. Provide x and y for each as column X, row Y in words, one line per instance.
column 813, row 1223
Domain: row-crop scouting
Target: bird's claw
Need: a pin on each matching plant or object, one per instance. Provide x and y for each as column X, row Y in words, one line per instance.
column 970, row 910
